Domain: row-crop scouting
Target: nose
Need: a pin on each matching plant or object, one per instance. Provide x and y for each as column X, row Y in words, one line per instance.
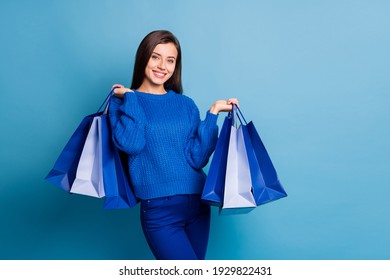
column 161, row 64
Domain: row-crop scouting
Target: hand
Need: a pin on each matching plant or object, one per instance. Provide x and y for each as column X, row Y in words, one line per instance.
column 120, row 90
column 223, row 105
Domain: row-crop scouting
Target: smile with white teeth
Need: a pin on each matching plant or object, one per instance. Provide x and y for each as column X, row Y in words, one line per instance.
column 159, row 74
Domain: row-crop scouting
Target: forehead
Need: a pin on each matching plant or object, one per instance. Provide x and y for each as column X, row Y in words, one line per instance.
column 168, row 49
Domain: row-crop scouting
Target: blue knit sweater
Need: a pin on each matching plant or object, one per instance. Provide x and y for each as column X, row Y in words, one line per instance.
column 166, row 142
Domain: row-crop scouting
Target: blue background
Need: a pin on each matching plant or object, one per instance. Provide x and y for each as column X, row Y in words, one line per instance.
column 312, row 75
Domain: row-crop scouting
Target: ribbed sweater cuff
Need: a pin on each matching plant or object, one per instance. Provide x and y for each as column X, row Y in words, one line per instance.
column 211, row 119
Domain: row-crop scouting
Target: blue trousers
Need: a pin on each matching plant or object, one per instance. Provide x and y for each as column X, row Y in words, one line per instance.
column 176, row 227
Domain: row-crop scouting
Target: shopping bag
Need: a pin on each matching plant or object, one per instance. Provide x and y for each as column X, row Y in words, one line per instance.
column 117, row 188
column 63, row 172
column 265, row 183
column 238, row 197
column 89, row 173
column 106, row 167
column 215, row 182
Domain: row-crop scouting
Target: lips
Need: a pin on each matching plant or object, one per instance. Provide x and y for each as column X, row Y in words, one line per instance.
column 159, row 75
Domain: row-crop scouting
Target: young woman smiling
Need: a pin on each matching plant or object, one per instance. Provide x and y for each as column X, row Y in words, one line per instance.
column 167, row 146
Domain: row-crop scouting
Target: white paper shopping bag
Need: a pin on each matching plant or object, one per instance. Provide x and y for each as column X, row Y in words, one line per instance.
column 238, row 197
column 89, row 175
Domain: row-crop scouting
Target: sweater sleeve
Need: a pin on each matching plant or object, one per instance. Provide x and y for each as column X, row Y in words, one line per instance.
column 128, row 123
column 202, row 140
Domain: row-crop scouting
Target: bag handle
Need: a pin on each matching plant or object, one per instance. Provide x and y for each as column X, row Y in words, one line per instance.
column 106, row 102
column 233, row 115
column 236, row 115
column 240, row 113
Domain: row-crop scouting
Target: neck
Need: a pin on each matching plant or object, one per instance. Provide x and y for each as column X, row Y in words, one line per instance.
column 152, row 89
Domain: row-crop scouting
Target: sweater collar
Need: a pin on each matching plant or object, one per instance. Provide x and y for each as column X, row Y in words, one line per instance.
column 148, row 95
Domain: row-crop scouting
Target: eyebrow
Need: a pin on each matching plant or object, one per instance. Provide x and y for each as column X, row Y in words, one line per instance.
column 161, row 55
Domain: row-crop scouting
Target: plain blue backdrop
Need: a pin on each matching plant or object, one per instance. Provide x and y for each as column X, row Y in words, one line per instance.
column 313, row 76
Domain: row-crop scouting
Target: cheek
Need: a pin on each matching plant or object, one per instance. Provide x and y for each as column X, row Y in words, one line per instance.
column 171, row 68
column 150, row 64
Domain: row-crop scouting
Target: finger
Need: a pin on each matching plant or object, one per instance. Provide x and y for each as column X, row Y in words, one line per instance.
column 233, row 101
column 117, row 85
column 118, row 91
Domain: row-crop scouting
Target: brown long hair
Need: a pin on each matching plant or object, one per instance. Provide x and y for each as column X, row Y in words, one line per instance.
column 144, row 52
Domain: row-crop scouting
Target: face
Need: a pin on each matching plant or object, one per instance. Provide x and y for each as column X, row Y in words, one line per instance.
column 161, row 65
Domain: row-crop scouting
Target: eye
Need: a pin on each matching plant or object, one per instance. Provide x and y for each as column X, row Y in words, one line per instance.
column 155, row 57
column 171, row 60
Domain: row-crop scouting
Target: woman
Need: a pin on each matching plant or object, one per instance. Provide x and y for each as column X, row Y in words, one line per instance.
column 167, row 145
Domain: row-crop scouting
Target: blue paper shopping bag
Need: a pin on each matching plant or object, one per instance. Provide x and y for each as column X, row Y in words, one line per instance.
column 266, row 186
column 215, row 182
column 89, row 174
column 238, row 197
column 117, row 187
column 102, row 172
column 64, row 170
